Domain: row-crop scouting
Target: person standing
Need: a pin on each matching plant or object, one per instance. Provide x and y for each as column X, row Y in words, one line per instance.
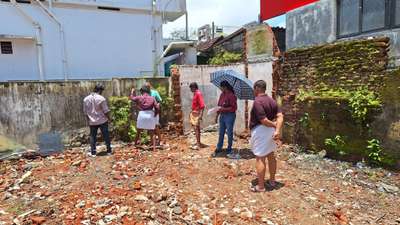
column 154, row 93
column 98, row 115
column 266, row 122
column 148, row 111
column 196, row 115
column 227, row 104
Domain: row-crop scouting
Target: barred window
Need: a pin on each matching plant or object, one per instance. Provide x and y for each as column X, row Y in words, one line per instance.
column 6, row 47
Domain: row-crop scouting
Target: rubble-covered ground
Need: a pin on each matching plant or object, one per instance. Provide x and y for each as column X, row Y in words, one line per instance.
column 182, row 186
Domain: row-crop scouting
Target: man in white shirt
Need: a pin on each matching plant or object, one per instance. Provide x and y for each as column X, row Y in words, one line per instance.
column 98, row 115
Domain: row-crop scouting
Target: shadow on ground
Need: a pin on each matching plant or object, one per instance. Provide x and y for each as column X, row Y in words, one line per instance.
column 246, row 154
column 268, row 186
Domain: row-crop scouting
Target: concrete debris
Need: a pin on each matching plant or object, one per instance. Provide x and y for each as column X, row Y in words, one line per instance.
column 382, row 187
column 141, row 198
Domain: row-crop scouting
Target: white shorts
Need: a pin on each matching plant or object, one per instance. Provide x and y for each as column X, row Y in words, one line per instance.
column 146, row 120
column 262, row 143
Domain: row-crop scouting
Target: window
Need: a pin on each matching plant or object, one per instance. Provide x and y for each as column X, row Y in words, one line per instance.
column 24, row 1
column 109, row 8
column 6, row 47
column 349, row 17
column 396, row 13
column 359, row 16
column 373, row 14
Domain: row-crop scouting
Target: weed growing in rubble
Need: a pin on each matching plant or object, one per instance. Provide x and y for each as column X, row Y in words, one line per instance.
column 337, row 144
column 374, row 151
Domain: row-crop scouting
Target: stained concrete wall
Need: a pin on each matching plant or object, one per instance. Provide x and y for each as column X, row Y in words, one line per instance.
column 316, row 24
column 201, row 75
column 312, row 24
column 30, row 109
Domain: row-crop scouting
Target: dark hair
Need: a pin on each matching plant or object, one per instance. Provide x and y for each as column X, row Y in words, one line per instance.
column 99, row 88
column 145, row 89
column 261, row 84
column 227, row 85
column 194, row 85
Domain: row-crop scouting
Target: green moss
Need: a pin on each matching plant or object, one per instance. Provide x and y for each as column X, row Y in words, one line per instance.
column 260, row 46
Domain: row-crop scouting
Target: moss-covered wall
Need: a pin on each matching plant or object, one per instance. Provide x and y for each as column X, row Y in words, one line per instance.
column 341, row 66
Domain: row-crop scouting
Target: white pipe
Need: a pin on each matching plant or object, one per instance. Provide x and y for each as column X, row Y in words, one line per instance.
column 154, row 35
column 39, row 44
column 62, row 38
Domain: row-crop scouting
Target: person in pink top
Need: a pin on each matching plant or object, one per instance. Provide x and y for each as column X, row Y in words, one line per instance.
column 98, row 115
column 227, row 116
column 148, row 111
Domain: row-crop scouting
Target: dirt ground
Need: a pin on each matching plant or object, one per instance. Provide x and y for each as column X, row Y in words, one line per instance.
column 182, row 186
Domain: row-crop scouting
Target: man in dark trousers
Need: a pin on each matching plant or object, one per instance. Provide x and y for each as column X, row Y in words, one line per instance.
column 266, row 124
column 98, row 115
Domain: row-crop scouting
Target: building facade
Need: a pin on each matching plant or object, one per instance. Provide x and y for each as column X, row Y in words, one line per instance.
column 331, row 20
column 83, row 39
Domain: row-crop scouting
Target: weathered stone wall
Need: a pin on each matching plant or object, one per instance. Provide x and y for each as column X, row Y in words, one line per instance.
column 341, row 66
column 30, row 109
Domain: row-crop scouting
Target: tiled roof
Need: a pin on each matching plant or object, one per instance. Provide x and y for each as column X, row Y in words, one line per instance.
column 205, row 46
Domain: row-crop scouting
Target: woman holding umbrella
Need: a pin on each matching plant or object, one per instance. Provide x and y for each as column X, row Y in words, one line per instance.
column 233, row 86
column 227, row 116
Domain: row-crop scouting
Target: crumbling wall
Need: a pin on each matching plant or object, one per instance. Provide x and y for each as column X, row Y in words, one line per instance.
column 30, row 109
column 342, row 66
column 347, row 65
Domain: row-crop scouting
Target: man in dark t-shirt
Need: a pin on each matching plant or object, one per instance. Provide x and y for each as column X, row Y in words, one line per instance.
column 266, row 124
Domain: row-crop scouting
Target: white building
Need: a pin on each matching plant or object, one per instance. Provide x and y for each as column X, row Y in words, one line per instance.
column 83, row 39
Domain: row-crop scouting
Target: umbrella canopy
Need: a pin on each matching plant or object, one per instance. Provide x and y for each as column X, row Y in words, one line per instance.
column 242, row 86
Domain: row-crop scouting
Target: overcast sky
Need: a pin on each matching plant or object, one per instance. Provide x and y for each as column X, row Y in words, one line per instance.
column 233, row 13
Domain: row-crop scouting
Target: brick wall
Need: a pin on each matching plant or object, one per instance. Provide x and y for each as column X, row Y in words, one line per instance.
column 346, row 65
column 178, row 114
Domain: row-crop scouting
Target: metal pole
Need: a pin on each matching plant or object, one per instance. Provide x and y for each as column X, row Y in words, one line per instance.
column 213, row 30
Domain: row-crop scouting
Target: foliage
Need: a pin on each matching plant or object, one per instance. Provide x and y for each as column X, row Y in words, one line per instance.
column 305, row 120
column 337, row 144
column 360, row 101
column 374, row 151
column 224, row 57
column 167, row 104
column 124, row 127
column 260, row 45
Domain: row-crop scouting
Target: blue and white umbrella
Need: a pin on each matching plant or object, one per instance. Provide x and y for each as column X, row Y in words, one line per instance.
column 242, row 86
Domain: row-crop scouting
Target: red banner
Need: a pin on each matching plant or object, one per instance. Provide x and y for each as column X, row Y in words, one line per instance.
column 274, row 8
